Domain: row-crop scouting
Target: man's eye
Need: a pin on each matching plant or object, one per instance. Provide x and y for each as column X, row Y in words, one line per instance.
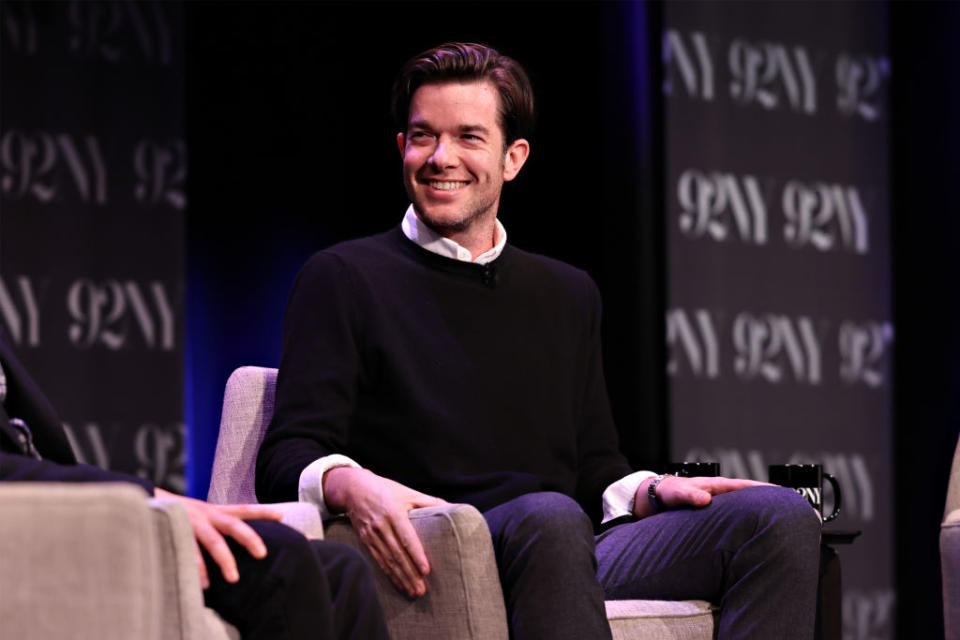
column 471, row 137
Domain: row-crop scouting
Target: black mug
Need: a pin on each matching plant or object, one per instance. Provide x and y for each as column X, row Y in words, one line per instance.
column 807, row 480
column 694, row 469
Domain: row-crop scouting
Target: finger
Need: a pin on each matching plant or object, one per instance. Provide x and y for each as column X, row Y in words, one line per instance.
column 681, row 493
column 423, row 500
column 211, row 540
column 378, row 549
column 251, row 512
column 241, row 532
column 398, row 556
column 726, row 485
column 409, row 541
column 384, row 559
column 388, row 570
column 201, row 567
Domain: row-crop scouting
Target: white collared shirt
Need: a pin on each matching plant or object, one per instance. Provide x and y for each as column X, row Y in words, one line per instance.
column 618, row 498
column 419, row 233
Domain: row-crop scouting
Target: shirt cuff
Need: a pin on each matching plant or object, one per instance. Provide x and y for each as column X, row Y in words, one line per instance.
column 619, row 496
column 311, row 481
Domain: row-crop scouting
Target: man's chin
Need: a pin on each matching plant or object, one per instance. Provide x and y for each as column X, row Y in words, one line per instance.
column 443, row 224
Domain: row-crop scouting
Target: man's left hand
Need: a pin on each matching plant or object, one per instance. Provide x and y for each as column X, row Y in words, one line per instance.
column 211, row 522
column 676, row 491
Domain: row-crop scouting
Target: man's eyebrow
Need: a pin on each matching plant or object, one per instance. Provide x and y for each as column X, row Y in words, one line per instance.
column 418, row 124
column 464, row 128
column 474, row 128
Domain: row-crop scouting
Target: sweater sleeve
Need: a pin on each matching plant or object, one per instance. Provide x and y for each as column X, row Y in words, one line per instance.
column 318, row 378
column 600, row 462
column 17, row 468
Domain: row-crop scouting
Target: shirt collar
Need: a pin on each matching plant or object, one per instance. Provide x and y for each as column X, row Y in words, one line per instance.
column 422, row 235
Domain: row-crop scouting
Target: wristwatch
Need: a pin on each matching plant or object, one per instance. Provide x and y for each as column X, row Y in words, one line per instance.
column 655, row 502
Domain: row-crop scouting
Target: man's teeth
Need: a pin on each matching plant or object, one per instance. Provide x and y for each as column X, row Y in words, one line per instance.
column 446, row 186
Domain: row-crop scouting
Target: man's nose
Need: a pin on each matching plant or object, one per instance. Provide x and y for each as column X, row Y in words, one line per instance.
column 443, row 154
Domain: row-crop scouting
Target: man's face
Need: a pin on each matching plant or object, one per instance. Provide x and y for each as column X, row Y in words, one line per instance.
column 454, row 161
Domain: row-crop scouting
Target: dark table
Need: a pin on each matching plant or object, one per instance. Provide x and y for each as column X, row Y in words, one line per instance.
column 829, row 624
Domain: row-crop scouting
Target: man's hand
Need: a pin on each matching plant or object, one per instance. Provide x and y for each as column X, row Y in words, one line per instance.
column 675, row 491
column 379, row 510
column 210, row 522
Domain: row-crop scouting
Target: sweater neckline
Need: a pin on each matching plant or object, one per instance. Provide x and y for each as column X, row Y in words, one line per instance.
column 486, row 273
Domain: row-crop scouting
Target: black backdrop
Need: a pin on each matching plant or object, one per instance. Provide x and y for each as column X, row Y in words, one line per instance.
column 926, row 251
column 291, row 150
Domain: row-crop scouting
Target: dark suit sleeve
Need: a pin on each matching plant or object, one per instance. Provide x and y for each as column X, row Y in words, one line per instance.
column 18, row 468
column 25, row 400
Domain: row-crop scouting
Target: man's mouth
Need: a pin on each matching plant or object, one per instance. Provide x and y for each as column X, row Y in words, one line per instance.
column 446, row 185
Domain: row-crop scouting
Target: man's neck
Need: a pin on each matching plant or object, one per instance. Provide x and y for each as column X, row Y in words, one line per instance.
column 479, row 238
column 476, row 246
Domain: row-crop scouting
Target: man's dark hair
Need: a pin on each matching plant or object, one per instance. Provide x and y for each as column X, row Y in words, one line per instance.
column 464, row 61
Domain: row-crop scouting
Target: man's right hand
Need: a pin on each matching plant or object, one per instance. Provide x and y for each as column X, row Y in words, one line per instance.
column 379, row 511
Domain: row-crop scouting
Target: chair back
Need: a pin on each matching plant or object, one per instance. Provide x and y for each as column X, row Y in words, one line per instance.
column 248, row 402
column 953, row 486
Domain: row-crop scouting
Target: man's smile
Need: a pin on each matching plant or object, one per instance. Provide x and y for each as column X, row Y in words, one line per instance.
column 446, row 185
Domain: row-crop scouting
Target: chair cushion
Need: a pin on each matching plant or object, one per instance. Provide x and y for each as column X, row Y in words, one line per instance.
column 950, row 569
column 660, row 619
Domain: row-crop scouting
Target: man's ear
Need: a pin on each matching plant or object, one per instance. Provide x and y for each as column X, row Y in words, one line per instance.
column 400, row 141
column 517, row 153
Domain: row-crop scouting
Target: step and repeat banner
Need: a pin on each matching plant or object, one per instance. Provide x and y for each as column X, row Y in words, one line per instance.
column 92, row 201
column 779, row 277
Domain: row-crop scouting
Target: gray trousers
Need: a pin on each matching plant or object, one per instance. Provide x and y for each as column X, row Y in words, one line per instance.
column 754, row 552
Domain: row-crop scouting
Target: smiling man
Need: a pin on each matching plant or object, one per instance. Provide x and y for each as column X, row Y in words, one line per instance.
column 455, row 161
column 436, row 362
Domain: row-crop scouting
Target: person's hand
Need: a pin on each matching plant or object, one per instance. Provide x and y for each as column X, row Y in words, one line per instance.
column 676, row 491
column 379, row 511
column 211, row 522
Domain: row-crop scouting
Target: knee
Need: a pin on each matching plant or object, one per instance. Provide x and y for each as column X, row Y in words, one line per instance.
column 344, row 565
column 548, row 516
column 784, row 518
column 287, row 547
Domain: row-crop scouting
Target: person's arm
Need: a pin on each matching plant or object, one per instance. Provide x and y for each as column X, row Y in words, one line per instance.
column 210, row 523
column 318, row 379
column 676, row 492
column 19, row 468
column 379, row 511
column 619, row 497
column 600, row 463
column 317, row 387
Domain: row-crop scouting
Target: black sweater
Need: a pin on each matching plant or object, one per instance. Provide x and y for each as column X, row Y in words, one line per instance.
column 473, row 383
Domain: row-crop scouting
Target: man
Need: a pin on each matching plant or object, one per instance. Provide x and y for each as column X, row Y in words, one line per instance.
column 435, row 362
column 264, row 578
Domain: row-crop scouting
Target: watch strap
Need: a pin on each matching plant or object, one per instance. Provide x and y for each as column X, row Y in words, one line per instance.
column 655, row 501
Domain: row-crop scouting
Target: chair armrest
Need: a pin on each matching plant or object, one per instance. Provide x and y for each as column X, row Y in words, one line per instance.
column 78, row 557
column 464, row 599
column 950, row 569
column 301, row 516
column 184, row 614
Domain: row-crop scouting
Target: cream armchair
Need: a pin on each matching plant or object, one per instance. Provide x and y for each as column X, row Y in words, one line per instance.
column 464, row 600
column 950, row 553
column 103, row 562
